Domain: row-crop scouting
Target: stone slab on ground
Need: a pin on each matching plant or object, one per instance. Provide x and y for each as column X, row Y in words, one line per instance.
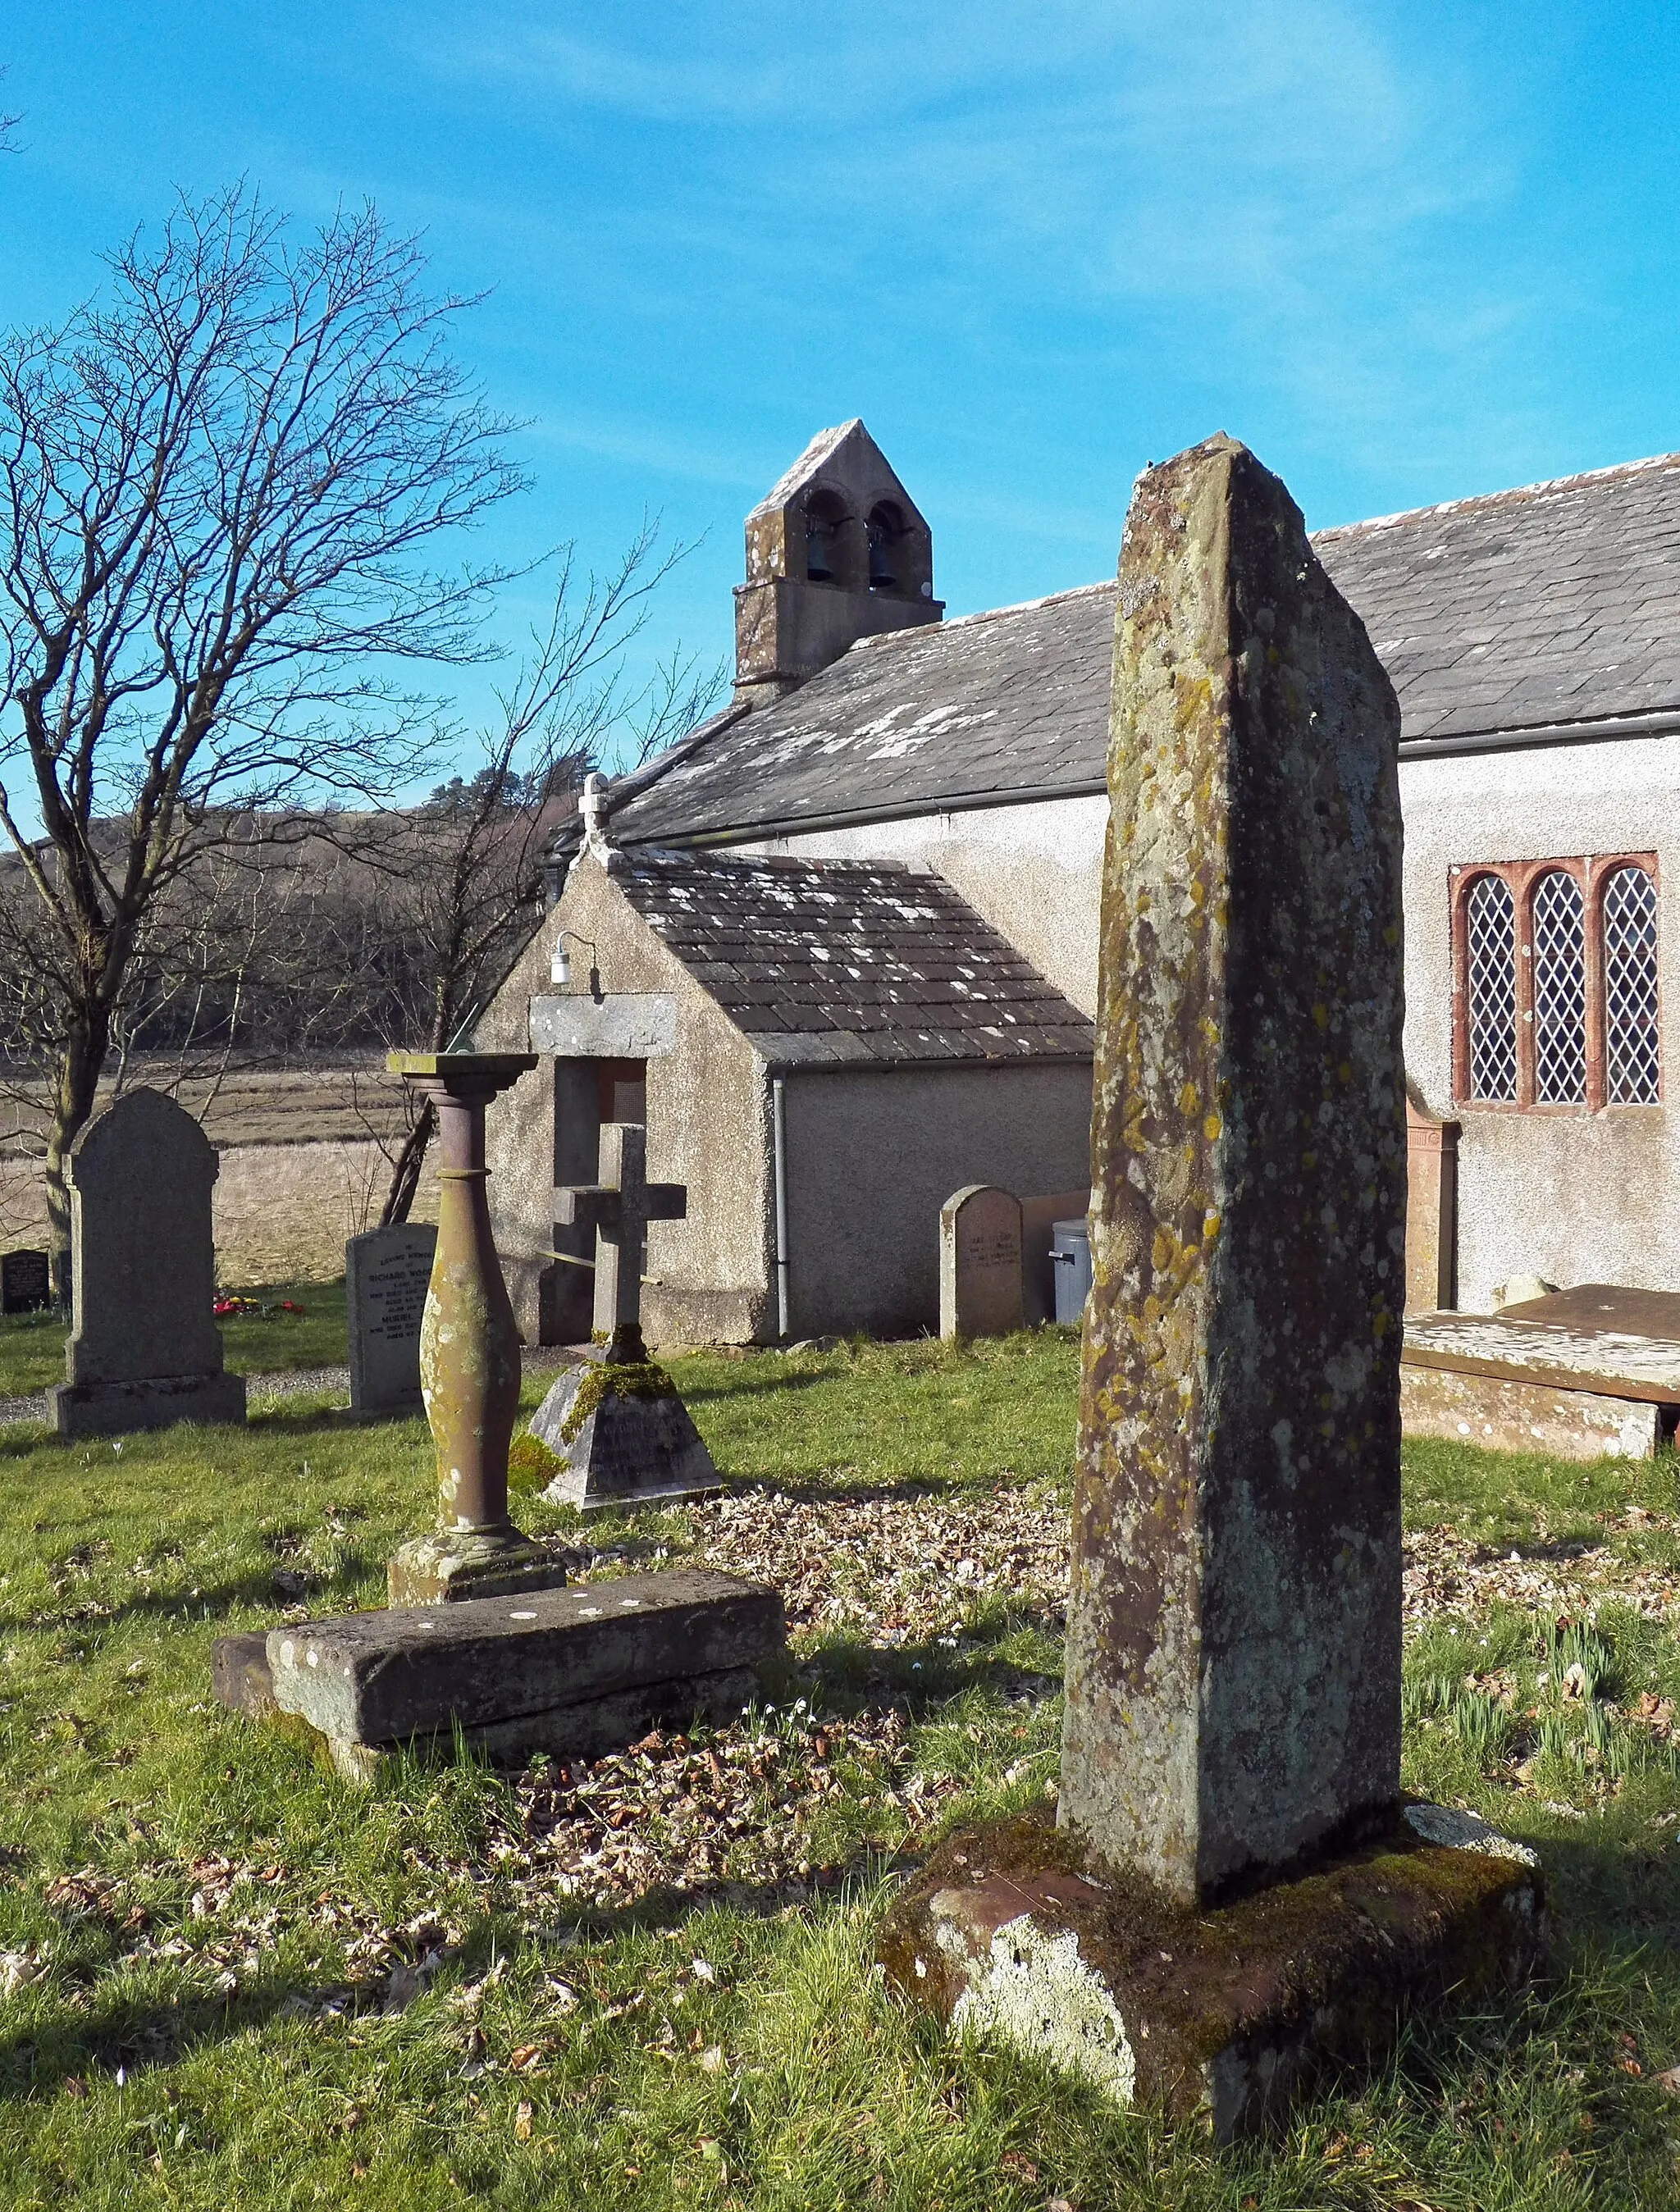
column 114, row 1409
column 243, row 1681
column 386, row 1677
column 629, row 1449
column 1616, row 1307
column 1223, row 2015
column 1501, row 1415
column 1611, row 1362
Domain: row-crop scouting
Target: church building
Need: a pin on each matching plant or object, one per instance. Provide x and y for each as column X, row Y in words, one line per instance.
column 838, row 947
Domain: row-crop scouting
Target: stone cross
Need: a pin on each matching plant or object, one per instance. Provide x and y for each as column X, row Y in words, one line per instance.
column 1233, row 1640
column 619, row 1207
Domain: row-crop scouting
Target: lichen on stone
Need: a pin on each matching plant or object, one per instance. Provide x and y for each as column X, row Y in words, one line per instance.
column 1035, row 1992
column 1464, row 1832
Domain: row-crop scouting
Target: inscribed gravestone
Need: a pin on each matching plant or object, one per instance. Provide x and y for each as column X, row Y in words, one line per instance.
column 980, row 1262
column 25, row 1282
column 143, row 1348
column 386, row 1272
column 1233, row 1645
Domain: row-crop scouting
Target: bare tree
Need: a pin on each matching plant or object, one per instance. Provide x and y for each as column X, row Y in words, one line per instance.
column 468, row 868
column 218, row 485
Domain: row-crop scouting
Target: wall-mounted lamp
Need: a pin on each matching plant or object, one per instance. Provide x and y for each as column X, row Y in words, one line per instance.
column 560, row 967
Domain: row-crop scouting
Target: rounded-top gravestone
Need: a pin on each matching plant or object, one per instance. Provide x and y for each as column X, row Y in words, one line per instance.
column 980, row 1262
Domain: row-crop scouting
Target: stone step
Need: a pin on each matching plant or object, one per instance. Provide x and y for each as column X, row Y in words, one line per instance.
column 386, row 1677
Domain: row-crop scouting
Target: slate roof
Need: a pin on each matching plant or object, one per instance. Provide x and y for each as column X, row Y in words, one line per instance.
column 1010, row 703
column 1559, row 603
column 1556, row 604
column 849, row 960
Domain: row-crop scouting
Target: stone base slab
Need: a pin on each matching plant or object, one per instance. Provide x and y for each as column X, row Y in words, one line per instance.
column 115, row 1409
column 1502, row 1414
column 466, row 1564
column 549, row 1671
column 1222, row 2015
column 629, row 1451
column 243, row 1682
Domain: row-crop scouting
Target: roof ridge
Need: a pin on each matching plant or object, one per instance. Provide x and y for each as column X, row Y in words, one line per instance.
column 928, row 633
column 1546, row 485
column 693, row 855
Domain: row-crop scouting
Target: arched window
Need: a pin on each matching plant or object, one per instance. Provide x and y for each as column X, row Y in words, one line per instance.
column 1491, row 935
column 1556, row 999
column 1633, row 1057
column 1560, row 990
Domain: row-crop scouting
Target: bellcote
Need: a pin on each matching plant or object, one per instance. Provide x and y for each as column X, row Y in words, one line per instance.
column 837, row 550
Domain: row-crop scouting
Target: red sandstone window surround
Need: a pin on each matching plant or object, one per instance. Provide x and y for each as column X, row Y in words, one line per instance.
column 1554, row 991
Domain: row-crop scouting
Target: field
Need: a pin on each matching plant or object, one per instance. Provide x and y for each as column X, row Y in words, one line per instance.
column 231, row 1981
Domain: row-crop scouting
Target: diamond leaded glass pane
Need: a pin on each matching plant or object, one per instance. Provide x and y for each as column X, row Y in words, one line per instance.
column 1492, row 946
column 1560, row 991
column 1633, row 1069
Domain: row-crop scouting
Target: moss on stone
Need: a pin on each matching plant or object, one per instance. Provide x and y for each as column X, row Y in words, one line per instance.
column 531, row 1464
column 605, row 1378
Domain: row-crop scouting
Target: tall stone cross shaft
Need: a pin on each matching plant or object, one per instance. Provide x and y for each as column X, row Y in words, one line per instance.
column 619, row 1207
column 1233, row 1645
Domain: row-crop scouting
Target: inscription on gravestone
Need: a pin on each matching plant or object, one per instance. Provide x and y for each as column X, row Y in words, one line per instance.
column 25, row 1284
column 980, row 1262
column 386, row 1272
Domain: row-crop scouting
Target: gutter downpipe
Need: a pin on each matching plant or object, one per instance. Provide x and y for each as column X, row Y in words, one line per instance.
column 779, row 1129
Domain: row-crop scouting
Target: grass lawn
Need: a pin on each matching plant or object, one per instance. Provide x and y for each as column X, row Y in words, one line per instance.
column 229, row 1981
column 31, row 1346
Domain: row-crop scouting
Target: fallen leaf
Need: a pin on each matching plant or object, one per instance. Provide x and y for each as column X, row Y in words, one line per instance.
column 522, row 2119
column 710, row 2060
column 527, row 2056
column 1668, row 2079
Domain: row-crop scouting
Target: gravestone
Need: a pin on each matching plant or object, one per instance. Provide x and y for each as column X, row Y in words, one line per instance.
column 144, row 1349
column 1234, row 1894
column 980, row 1289
column 386, row 1273
column 615, row 1420
column 25, row 1283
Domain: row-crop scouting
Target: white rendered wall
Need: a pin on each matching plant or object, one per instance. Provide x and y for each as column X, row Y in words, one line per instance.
column 1571, row 1196
column 1034, row 871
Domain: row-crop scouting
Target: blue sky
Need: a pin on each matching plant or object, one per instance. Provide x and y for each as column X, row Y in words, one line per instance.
column 1406, row 253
